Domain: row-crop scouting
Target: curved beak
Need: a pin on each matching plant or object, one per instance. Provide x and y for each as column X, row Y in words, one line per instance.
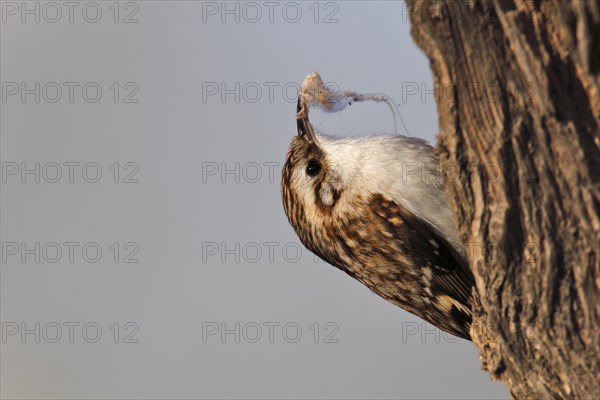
column 303, row 124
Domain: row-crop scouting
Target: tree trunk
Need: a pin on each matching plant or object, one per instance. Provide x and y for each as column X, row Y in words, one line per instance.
column 517, row 86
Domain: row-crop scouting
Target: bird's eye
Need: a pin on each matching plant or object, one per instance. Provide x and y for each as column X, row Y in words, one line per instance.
column 313, row 167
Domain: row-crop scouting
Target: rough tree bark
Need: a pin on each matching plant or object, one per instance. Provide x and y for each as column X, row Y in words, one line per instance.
column 518, row 94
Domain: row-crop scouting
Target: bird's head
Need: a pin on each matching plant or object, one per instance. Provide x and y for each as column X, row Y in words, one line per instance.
column 311, row 183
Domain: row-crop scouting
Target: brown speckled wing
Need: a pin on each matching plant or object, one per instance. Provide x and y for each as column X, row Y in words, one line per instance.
column 445, row 271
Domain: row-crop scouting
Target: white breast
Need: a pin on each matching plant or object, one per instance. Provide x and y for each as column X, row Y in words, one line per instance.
column 402, row 168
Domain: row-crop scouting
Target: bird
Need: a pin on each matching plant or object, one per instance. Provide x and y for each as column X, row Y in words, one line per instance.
column 375, row 208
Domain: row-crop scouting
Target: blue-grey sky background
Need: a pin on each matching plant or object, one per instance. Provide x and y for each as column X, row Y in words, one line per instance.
column 197, row 110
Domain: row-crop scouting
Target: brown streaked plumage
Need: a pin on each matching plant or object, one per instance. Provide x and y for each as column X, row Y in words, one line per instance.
column 363, row 219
